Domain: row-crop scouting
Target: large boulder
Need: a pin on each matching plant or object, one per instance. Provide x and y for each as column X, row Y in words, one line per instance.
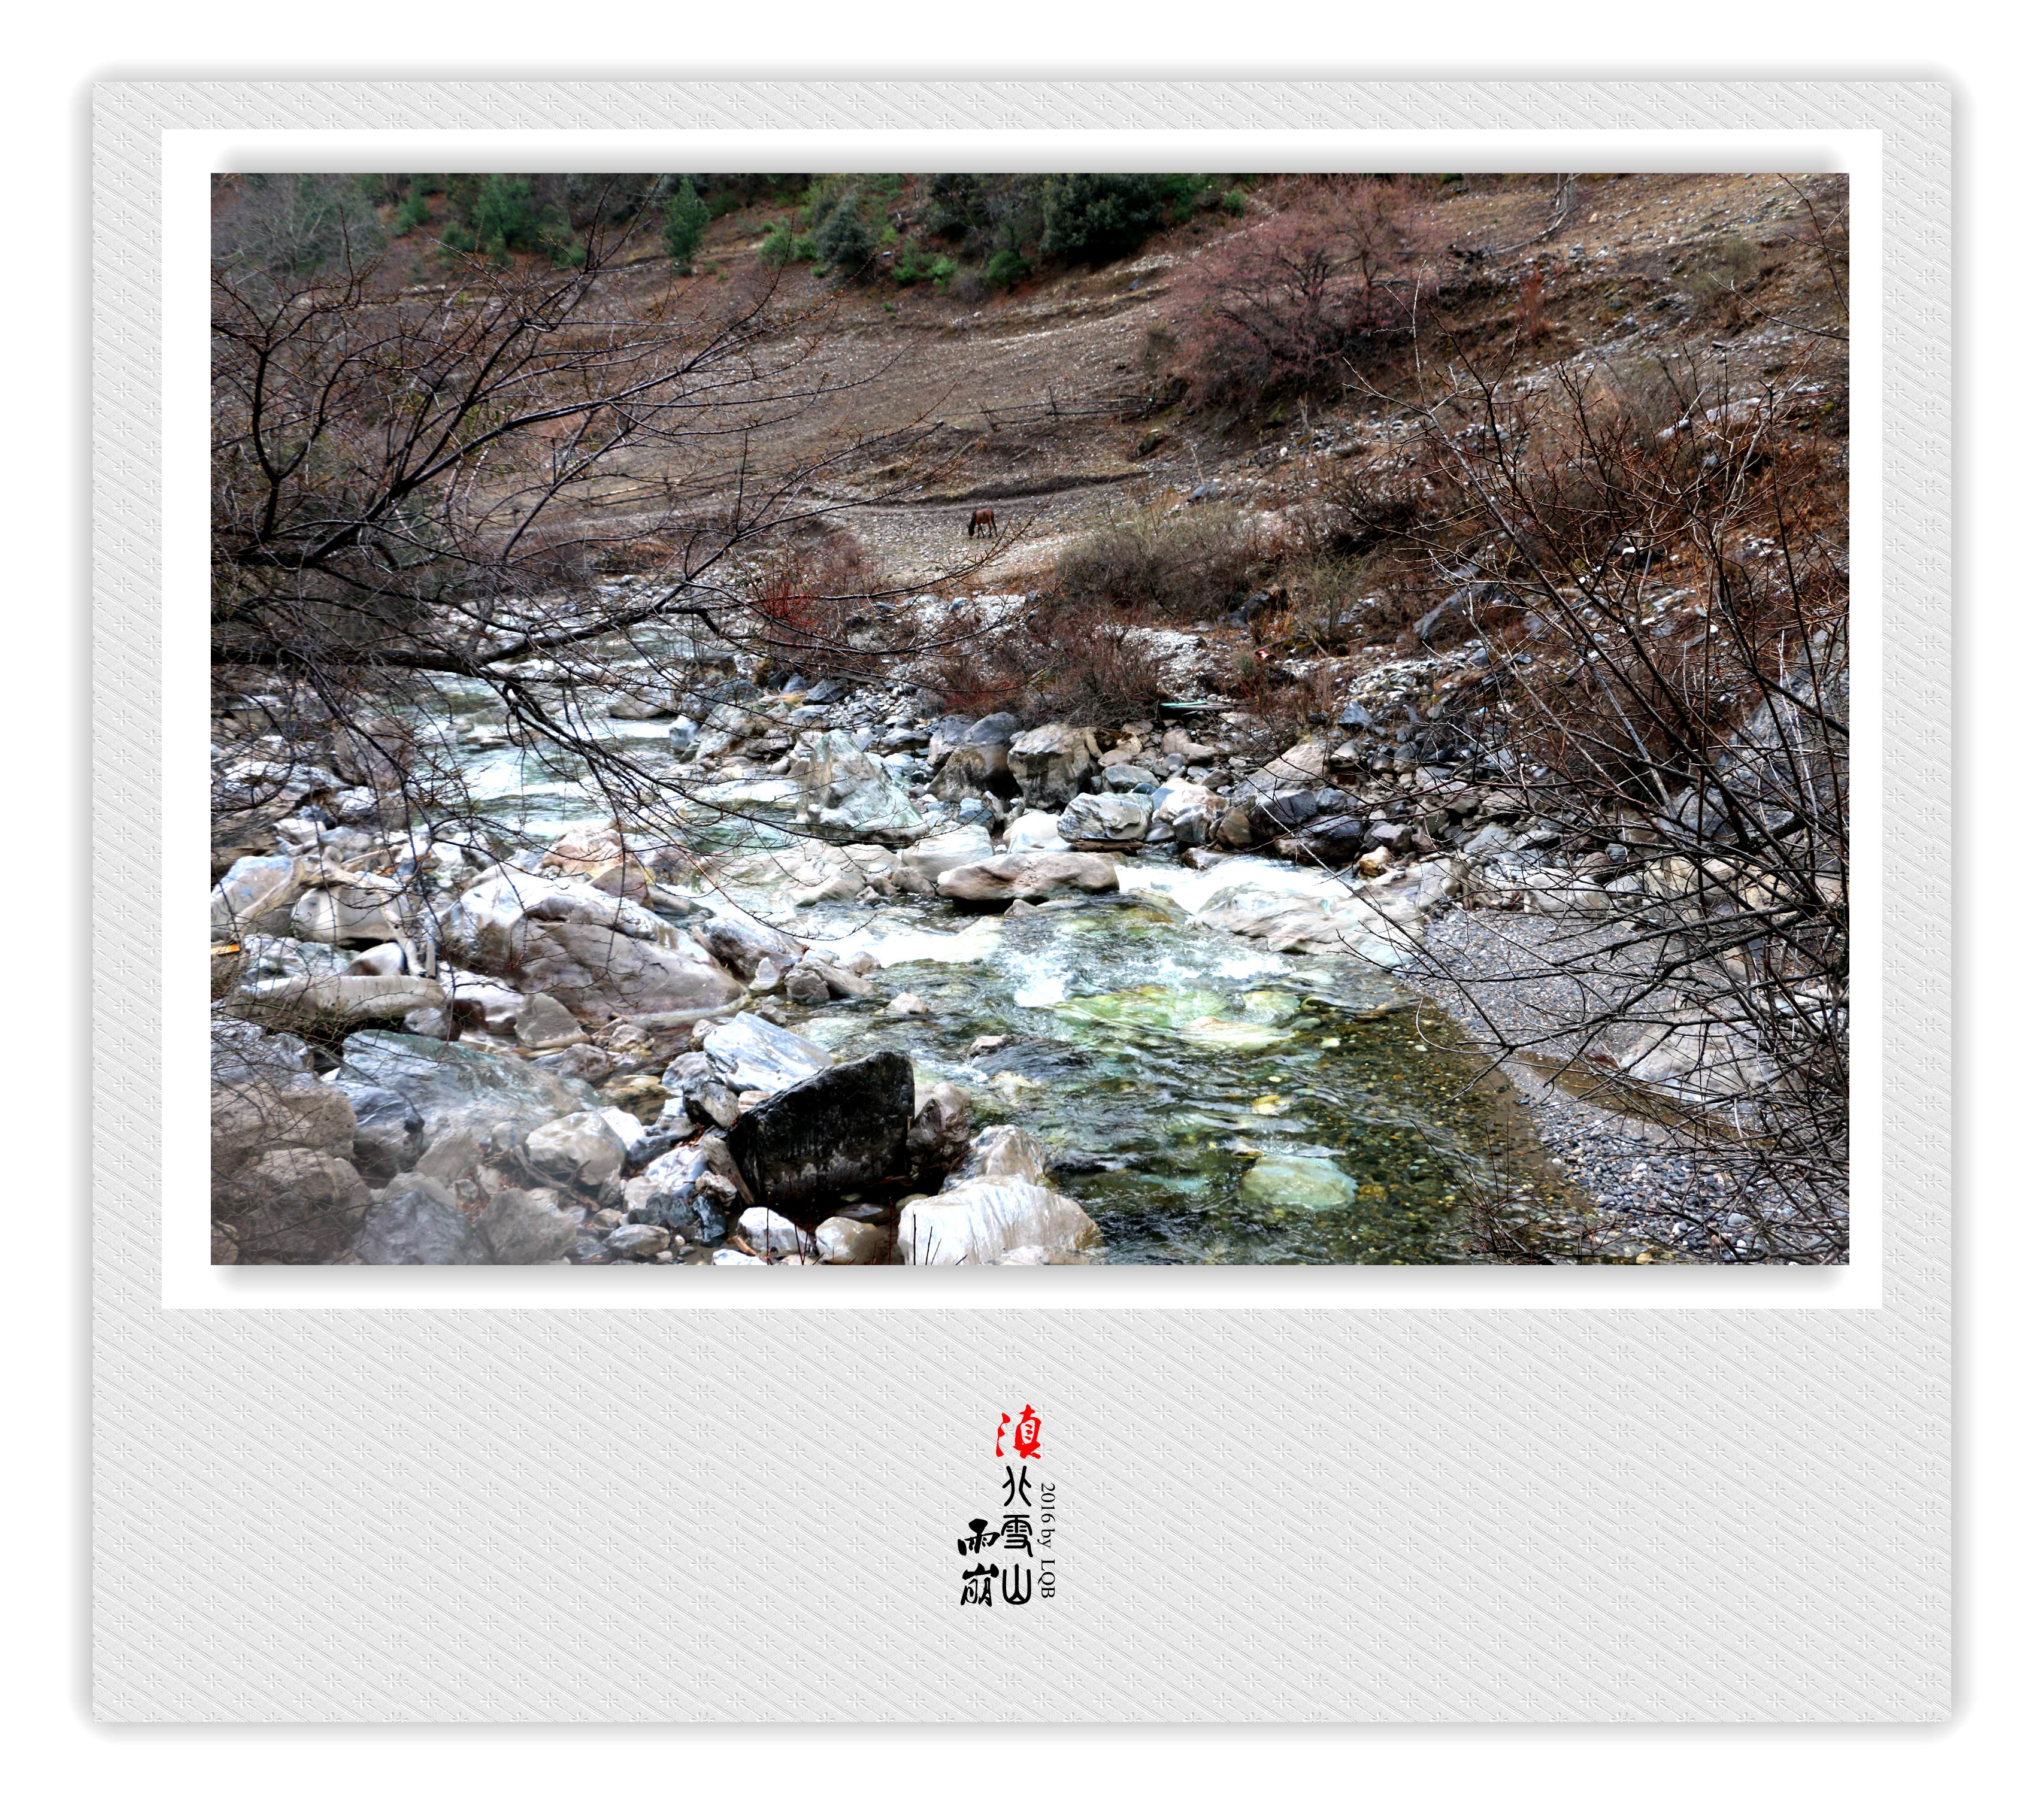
column 984, row 1220
column 747, row 1053
column 389, row 1133
column 847, row 793
column 1186, row 812
column 359, row 908
column 1105, row 820
column 457, row 1086
column 583, row 1151
column 256, row 897
column 529, row 1227
column 931, row 857
column 484, row 928
column 418, row 1223
column 256, row 1112
column 598, row 973
column 1380, row 926
column 294, row 1206
column 842, row 1129
column 972, row 770
column 1050, row 763
column 737, row 942
column 1303, row 767
column 329, row 1006
column 1028, row 876
column 1034, row 830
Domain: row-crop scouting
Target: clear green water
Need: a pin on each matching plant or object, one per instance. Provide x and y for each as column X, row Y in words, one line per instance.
column 1160, row 1062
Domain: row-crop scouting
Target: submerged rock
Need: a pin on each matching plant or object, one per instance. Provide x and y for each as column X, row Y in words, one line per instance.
column 1293, row 1181
column 840, row 1129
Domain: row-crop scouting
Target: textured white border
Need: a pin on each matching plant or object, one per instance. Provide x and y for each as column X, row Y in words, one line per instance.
column 191, row 1280
column 1445, row 1515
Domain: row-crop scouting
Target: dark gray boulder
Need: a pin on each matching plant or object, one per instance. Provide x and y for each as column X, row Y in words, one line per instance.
column 417, row 1223
column 389, row 1132
column 841, row 1129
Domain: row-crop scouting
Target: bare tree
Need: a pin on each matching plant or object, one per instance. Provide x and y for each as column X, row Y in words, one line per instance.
column 1652, row 563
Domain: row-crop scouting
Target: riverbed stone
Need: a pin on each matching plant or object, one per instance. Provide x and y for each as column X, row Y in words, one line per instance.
column 389, row 1133
column 1028, row 876
column 1035, row 830
column 255, row 897
column 418, row 1223
column 840, row 1241
column 1289, row 1181
column 293, row 1205
column 1049, row 764
column 1105, row 820
column 749, row 1052
column 530, row 1227
column 582, row 1150
column 977, row 1221
column 455, row 1085
column 842, row 1129
column 931, row 857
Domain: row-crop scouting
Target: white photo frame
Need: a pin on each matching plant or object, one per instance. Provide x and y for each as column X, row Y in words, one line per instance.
column 1586, row 1496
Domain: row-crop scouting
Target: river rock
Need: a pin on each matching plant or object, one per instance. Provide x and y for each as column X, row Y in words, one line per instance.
column 692, row 1191
column 940, row 1133
column 582, row 1150
column 1049, row 764
column 454, row 1085
column 347, row 910
column 746, row 1053
column 1004, row 1150
column 739, row 943
column 1185, row 810
column 977, row 1221
column 256, row 897
column 1382, row 927
column 1303, row 767
column 390, row 1133
column 257, row 1109
column 840, row 1129
column 840, row 1241
column 329, row 1006
column 293, row 1205
column 847, row 792
column 703, row 1096
column 1027, row 876
column 766, row 1231
column 1287, row 1181
column 1032, row 831
column 1105, row 820
column 418, row 1223
column 543, row 1022
column 529, row 1227
column 637, row 1240
column 941, row 852
column 972, row 770
column 598, row 973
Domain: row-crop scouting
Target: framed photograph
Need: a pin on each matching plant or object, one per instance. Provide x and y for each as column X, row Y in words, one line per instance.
column 1066, row 855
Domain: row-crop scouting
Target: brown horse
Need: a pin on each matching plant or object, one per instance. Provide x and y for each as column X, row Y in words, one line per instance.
column 981, row 521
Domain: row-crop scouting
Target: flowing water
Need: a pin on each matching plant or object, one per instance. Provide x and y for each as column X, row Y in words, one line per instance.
column 1207, row 1099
